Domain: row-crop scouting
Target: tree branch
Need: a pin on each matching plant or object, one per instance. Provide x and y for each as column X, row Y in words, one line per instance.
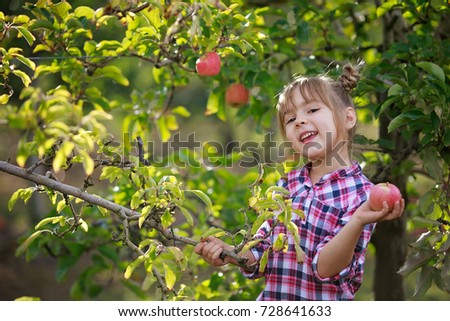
column 124, row 213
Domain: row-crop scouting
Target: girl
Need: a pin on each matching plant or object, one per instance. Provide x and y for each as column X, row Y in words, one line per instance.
column 317, row 116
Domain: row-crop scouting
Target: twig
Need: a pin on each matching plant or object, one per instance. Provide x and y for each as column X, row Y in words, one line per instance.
column 141, row 151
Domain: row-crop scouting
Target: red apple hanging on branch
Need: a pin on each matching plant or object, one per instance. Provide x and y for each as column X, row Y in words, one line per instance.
column 208, row 64
column 237, row 95
column 384, row 192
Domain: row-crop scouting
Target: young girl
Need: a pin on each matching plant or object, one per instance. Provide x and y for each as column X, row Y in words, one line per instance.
column 317, row 116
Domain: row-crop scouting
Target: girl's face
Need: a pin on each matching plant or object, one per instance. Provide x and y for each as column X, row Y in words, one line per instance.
column 311, row 129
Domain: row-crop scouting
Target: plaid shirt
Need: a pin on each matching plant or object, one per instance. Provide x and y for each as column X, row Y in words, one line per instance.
column 328, row 206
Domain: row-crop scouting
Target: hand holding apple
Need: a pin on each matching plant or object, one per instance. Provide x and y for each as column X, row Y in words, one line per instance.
column 208, row 64
column 384, row 192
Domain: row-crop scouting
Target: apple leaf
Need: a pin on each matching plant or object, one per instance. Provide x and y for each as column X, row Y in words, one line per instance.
column 132, row 266
column 187, row 215
column 424, row 280
column 433, row 69
column 22, row 248
column 26, row 34
column 416, row 260
column 203, row 197
column 263, row 261
column 214, row 231
column 169, row 276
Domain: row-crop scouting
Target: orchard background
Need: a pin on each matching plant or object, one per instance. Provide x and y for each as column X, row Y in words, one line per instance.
column 118, row 156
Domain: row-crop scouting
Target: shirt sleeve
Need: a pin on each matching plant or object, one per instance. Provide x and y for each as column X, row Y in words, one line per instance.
column 359, row 252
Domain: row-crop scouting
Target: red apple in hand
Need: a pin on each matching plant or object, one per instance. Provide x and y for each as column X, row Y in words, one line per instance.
column 237, row 95
column 384, row 192
column 208, row 64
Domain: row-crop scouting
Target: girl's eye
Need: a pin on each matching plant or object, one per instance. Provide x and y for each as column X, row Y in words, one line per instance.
column 290, row 120
column 313, row 110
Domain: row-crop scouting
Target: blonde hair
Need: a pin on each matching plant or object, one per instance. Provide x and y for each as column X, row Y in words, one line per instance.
column 334, row 94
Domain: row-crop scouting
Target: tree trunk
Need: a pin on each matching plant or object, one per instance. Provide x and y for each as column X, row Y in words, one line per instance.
column 389, row 238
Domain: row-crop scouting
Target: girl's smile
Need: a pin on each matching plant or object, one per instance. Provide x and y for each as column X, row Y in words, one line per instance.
column 307, row 136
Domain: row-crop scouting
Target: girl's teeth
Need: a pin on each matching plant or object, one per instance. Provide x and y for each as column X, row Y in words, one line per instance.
column 306, row 136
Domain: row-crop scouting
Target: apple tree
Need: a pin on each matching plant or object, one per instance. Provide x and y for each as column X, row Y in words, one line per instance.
column 70, row 76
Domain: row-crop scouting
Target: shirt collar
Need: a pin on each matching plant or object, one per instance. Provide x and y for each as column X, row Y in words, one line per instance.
column 304, row 178
column 351, row 170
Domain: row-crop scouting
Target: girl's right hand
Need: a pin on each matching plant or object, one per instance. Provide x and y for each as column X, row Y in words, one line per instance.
column 210, row 249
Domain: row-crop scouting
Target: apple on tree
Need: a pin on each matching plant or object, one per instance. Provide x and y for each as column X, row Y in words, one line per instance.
column 237, row 95
column 208, row 64
column 384, row 192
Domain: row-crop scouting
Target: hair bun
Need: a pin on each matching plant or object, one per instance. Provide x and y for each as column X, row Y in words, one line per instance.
column 350, row 76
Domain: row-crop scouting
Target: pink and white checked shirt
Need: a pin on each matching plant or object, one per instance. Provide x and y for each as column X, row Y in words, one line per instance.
column 328, row 206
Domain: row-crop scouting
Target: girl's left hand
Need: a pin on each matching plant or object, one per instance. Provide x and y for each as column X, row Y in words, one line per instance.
column 365, row 215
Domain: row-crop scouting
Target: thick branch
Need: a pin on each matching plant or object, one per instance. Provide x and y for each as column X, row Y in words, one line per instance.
column 68, row 189
column 124, row 212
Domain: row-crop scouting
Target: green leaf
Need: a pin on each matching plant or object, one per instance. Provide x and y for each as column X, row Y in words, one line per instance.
column 84, row 226
column 424, row 280
column 88, row 162
column 155, row 18
column 83, row 11
column 427, row 203
column 404, row 118
column 169, row 277
column 212, row 106
column 61, row 155
column 26, row 34
column 47, row 220
column 144, row 214
column 203, row 197
column 136, row 199
column 187, row 215
column 21, row 19
column 22, row 248
column 27, row 62
column 388, row 102
column 263, row 261
column 61, row 205
column 167, row 219
column 23, row 193
column 251, row 244
column 432, row 165
column 111, row 172
column 103, row 210
column 182, row 111
column 433, row 69
column 260, row 220
column 277, row 189
column 114, row 73
column 163, row 129
column 214, row 231
column 395, row 90
column 26, row 80
column 385, row 7
column 132, row 266
column 62, row 9
column 4, row 99
column 13, row 199
column 416, row 260
column 299, row 253
column 280, row 244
